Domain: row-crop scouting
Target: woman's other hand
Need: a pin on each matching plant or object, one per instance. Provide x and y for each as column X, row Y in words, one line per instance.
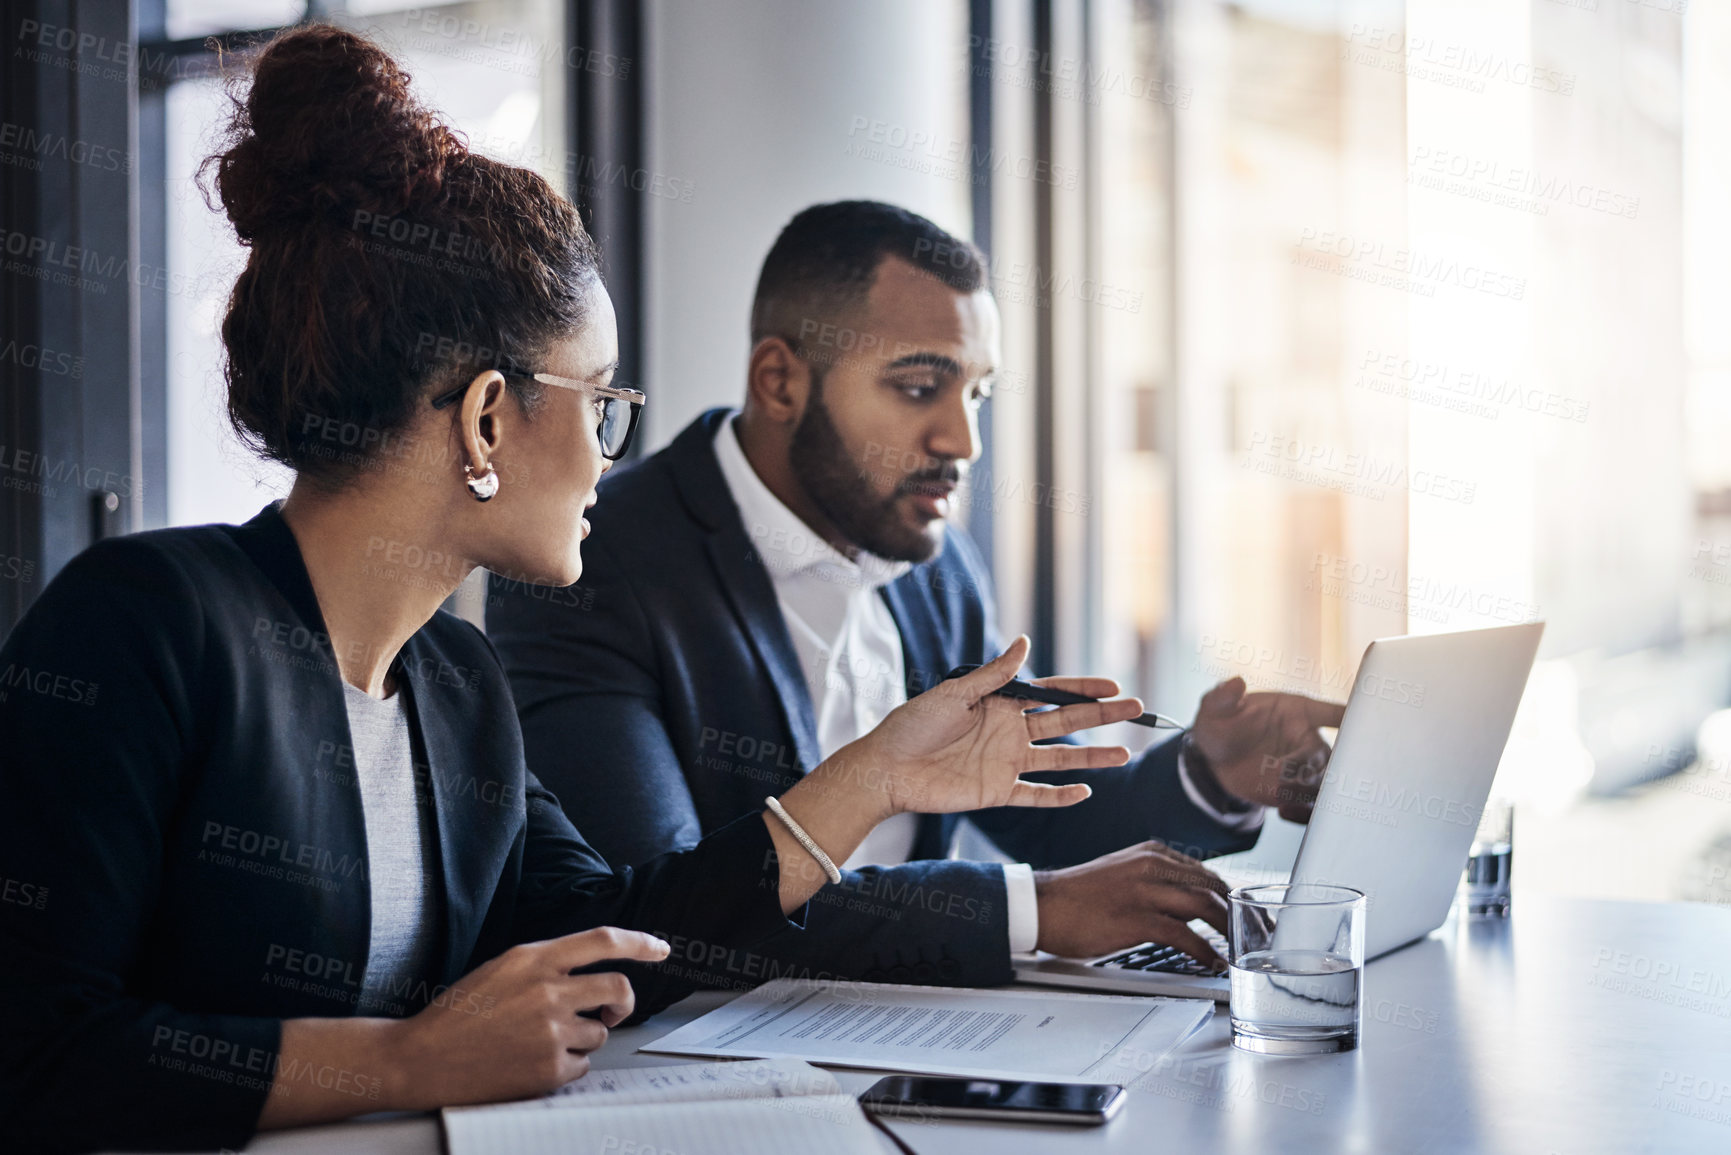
column 519, row 1025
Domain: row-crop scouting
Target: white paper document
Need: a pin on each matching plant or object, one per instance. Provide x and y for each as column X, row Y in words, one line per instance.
column 1054, row 1036
column 767, row 1108
column 686, row 1083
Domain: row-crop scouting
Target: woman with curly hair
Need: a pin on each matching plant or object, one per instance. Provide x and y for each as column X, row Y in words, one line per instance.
column 291, row 865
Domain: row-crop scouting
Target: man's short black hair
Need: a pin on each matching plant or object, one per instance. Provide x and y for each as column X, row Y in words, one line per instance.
column 823, row 263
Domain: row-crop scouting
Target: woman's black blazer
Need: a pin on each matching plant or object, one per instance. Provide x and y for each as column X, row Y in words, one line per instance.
column 183, row 861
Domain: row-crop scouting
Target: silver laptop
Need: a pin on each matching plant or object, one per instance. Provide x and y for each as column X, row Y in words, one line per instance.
column 1425, row 727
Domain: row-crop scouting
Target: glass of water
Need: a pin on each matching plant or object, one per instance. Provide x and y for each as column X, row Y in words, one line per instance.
column 1490, row 863
column 1297, row 955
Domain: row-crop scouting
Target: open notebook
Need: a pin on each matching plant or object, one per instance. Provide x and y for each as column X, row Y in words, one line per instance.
column 770, row 1107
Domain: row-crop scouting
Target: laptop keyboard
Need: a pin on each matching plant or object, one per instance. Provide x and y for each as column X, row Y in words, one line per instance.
column 1167, row 959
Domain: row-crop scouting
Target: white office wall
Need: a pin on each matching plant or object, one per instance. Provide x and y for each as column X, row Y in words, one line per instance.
column 757, row 111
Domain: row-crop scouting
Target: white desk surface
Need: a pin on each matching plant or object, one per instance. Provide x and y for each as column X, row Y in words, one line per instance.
column 1577, row 1026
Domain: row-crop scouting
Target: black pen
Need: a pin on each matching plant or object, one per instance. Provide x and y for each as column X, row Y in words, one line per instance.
column 1016, row 688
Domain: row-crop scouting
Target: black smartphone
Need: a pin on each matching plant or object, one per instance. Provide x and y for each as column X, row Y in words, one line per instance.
column 1004, row 1100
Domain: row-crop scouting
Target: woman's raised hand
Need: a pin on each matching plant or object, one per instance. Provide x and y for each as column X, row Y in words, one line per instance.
column 959, row 746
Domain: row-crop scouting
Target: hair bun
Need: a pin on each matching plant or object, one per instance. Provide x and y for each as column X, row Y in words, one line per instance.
column 328, row 128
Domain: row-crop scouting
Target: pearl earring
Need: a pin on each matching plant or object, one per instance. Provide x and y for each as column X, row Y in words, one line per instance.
column 484, row 486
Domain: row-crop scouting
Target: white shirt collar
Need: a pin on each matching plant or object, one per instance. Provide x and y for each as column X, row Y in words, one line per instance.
column 785, row 543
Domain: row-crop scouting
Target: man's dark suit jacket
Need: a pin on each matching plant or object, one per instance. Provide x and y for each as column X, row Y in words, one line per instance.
column 663, row 693
column 184, row 855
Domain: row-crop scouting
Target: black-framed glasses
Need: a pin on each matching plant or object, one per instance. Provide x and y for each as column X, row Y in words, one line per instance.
column 620, row 408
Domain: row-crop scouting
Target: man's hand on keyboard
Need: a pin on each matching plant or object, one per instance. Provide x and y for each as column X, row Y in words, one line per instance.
column 1143, row 893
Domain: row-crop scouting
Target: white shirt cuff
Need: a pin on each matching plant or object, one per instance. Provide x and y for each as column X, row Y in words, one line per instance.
column 1246, row 820
column 1022, row 907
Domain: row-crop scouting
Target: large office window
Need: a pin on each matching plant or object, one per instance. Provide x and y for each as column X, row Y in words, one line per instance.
column 496, row 69
column 1231, row 138
column 1383, row 317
